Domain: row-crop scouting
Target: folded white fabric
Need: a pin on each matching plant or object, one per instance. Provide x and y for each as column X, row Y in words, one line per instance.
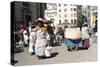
column 72, row 33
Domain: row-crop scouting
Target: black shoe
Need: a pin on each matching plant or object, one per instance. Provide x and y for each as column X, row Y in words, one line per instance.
column 25, row 45
column 32, row 53
column 14, row 62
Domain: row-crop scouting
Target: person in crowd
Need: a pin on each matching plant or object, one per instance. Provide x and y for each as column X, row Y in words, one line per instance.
column 85, row 31
column 32, row 39
column 95, row 31
column 95, row 27
column 60, row 35
column 51, row 34
column 21, row 28
column 42, row 37
column 19, row 32
column 29, row 27
column 85, row 36
column 54, row 31
column 25, row 37
column 90, row 31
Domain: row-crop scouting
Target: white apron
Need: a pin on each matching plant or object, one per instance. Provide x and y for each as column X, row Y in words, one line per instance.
column 85, row 33
column 31, row 41
column 25, row 37
column 41, row 42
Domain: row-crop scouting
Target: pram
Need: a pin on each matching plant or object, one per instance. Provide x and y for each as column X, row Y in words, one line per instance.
column 73, row 44
column 73, row 39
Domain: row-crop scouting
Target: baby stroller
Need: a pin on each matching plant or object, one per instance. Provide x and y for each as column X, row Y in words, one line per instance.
column 73, row 39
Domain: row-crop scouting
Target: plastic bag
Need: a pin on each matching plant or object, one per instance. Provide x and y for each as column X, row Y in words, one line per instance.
column 48, row 51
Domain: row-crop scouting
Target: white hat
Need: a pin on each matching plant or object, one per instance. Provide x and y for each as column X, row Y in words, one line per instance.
column 40, row 19
column 24, row 32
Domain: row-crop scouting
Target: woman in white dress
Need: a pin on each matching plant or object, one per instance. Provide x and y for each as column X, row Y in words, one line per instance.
column 25, row 35
column 42, row 38
column 85, row 32
column 32, row 38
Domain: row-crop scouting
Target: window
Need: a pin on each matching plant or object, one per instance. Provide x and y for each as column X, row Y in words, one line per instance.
column 71, row 15
column 75, row 15
column 65, row 15
column 66, row 27
column 71, row 9
column 65, row 10
column 72, row 21
column 59, row 15
column 75, row 21
column 59, row 5
column 59, row 10
column 26, row 4
column 54, row 7
column 74, row 9
column 88, row 14
column 59, row 21
column 65, row 4
column 66, row 20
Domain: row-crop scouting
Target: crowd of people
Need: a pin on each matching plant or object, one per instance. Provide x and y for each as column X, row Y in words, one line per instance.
column 40, row 35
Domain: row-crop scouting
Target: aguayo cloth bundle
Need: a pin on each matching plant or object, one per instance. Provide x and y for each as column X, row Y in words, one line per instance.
column 72, row 33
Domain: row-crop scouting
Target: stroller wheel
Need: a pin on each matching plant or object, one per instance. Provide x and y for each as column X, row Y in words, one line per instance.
column 73, row 48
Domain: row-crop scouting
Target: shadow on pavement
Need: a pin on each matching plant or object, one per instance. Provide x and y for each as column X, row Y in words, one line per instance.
column 54, row 45
column 54, row 54
column 80, row 48
column 83, row 48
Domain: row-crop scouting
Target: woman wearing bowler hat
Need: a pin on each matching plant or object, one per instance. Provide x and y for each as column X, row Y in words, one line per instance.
column 41, row 39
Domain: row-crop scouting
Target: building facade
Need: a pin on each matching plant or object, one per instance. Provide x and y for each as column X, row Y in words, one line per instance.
column 91, row 14
column 27, row 11
column 61, row 13
column 51, row 13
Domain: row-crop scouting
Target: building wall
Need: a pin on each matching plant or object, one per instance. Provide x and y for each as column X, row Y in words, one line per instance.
column 63, row 13
column 27, row 11
column 34, row 11
column 18, row 12
column 51, row 13
column 89, row 12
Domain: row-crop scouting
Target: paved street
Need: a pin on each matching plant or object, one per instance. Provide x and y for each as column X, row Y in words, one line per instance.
column 61, row 55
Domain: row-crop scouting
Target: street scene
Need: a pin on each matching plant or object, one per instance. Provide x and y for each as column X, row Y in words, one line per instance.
column 50, row 33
